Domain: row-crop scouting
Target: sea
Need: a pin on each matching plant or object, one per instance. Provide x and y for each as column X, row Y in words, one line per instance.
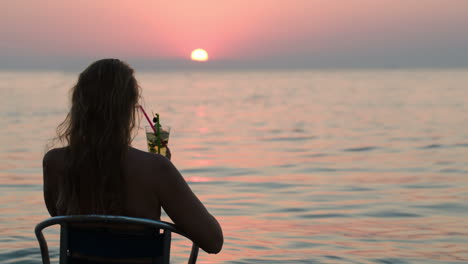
column 298, row 166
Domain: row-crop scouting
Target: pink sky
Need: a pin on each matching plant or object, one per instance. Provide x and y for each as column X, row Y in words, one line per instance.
column 238, row 29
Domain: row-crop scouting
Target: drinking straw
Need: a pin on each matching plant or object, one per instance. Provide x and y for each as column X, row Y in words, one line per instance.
column 158, row 134
column 147, row 118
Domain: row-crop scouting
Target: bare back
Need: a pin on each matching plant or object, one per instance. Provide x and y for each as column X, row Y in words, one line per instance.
column 152, row 182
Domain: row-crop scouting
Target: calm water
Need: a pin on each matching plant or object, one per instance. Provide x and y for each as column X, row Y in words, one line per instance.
column 299, row 167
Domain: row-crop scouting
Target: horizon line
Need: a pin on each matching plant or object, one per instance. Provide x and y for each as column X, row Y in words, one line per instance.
column 143, row 64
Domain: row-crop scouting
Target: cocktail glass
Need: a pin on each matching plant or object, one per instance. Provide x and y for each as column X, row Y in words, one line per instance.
column 151, row 139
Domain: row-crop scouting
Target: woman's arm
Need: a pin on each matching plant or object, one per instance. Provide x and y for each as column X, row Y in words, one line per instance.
column 186, row 211
column 50, row 187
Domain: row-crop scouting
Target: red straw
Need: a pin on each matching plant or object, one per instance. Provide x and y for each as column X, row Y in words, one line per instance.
column 149, row 121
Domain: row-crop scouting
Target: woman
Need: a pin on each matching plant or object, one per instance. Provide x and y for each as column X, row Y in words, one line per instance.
column 98, row 172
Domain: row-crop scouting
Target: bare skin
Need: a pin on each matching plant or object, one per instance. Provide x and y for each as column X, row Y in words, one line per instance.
column 152, row 182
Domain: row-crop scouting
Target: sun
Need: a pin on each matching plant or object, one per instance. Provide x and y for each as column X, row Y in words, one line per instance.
column 199, row 55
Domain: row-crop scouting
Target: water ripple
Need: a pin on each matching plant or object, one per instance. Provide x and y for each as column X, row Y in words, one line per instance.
column 220, row 170
column 453, row 170
column 289, row 138
column 360, row 149
column 392, row 214
column 432, row 146
column 462, row 145
column 24, row 255
column 391, row 261
column 325, row 216
column 426, row 186
column 446, row 207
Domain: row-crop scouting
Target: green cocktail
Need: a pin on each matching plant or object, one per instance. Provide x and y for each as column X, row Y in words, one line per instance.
column 152, row 140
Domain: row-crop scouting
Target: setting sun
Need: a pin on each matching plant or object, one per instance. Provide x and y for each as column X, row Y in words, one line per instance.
column 199, row 55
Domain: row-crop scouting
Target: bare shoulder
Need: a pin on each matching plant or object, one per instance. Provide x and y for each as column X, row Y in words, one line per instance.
column 53, row 165
column 54, row 156
column 148, row 163
column 145, row 157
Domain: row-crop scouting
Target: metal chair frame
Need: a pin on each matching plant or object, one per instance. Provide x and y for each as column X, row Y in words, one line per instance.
column 64, row 222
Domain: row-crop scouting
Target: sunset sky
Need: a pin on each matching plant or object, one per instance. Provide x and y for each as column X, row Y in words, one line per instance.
column 289, row 32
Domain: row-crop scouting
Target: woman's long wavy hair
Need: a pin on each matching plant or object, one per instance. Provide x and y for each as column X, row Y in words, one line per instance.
column 97, row 132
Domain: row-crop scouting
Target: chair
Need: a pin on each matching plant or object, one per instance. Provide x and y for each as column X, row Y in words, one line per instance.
column 96, row 239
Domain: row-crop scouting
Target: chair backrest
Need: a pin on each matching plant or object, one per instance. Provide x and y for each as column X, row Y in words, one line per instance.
column 111, row 239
